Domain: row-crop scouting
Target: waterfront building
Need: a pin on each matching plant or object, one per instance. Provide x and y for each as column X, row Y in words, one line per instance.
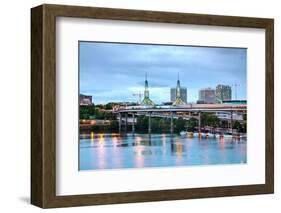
column 223, row 93
column 178, row 95
column 227, row 116
column 85, row 100
column 146, row 100
column 207, row 96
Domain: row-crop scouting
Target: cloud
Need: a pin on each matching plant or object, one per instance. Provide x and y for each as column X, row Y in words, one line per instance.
column 107, row 70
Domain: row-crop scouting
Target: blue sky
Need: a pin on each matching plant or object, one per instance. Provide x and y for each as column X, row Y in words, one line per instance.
column 114, row 71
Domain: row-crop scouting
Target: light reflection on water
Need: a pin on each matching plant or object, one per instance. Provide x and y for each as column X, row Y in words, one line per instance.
column 114, row 151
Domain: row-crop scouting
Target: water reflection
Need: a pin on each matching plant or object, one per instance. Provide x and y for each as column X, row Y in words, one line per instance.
column 111, row 151
column 92, row 137
column 177, row 148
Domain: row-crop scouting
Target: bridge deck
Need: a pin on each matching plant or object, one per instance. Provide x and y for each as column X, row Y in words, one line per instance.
column 187, row 108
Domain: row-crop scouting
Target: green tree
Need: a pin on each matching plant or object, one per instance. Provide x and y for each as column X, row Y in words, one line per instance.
column 180, row 125
column 142, row 123
column 192, row 123
column 86, row 111
column 223, row 124
column 208, row 119
column 240, row 127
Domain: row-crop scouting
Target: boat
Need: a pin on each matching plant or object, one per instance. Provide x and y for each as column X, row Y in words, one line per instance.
column 211, row 135
column 202, row 135
column 183, row 133
column 227, row 135
column 218, row 136
column 243, row 136
column 190, row 134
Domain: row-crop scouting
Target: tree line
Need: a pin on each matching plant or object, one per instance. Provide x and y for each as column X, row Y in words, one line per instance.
column 158, row 125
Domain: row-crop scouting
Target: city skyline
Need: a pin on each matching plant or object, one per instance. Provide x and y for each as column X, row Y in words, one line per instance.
column 113, row 72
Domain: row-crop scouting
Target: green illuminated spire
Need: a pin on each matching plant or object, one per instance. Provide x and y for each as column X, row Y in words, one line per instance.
column 178, row 90
column 146, row 100
column 178, row 100
column 146, row 91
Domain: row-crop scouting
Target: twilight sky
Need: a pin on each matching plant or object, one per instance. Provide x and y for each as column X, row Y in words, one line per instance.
column 113, row 72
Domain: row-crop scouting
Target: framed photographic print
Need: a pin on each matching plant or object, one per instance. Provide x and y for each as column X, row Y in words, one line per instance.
column 136, row 106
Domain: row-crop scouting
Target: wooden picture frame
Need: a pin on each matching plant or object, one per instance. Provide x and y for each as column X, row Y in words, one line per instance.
column 43, row 105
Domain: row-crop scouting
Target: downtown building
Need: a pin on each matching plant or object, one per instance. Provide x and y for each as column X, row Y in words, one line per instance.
column 85, row 100
column 183, row 94
column 207, row 96
column 223, row 93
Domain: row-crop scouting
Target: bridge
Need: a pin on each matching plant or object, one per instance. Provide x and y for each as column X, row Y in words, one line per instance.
column 170, row 111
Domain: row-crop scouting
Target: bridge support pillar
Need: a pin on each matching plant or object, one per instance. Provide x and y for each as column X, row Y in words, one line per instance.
column 231, row 122
column 172, row 123
column 133, row 124
column 149, row 123
column 126, row 121
column 199, row 122
column 120, row 122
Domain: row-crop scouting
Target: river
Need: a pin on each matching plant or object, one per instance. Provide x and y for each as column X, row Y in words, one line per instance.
column 114, row 151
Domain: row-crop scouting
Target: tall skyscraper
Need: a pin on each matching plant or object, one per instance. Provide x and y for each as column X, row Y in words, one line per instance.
column 183, row 94
column 178, row 100
column 223, row 93
column 146, row 100
column 178, row 94
column 207, row 96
